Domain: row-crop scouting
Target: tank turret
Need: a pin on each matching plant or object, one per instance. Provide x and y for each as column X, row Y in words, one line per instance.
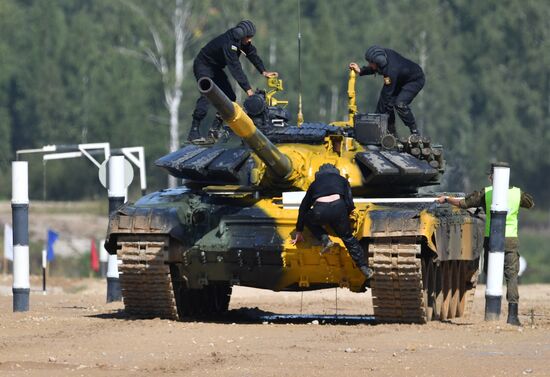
column 244, row 127
column 265, row 153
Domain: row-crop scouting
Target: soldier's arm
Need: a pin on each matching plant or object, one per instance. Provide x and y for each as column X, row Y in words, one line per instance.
column 475, row 199
column 526, row 201
column 234, row 66
column 304, row 207
column 349, row 197
column 366, row 70
column 252, row 56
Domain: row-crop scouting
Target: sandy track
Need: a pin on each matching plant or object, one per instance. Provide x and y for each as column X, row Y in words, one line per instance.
column 72, row 332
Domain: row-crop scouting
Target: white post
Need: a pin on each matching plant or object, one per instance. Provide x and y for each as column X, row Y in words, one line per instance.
column 116, row 188
column 20, row 218
column 44, row 266
column 495, row 268
column 103, row 259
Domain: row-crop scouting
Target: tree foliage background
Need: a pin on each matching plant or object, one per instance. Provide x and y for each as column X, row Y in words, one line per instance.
column 64, row 79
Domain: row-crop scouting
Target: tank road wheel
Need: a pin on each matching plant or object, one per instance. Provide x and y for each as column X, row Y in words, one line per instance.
column 425, row 286
column 397, row 282
column 438, row 292
column 455, row 288
column 209, row 301
column 471, row 271
column 429, row 286
column 463, row 281
column 446, row 286
column 224, row 291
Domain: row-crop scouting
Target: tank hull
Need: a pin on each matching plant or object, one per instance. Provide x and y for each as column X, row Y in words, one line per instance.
column 190, row 248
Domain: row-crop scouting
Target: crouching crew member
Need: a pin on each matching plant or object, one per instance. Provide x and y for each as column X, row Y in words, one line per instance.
column 403, row 79
column 328, row 201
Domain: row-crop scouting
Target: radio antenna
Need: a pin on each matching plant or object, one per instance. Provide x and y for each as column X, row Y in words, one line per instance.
column 300, row 118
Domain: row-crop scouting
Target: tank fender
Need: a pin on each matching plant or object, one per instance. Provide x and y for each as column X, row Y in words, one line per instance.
column 130, row 219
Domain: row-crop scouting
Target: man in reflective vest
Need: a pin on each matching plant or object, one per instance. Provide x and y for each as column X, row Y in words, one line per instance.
column 516, row 199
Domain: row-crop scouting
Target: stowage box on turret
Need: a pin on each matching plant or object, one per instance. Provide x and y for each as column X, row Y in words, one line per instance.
column 232, row 220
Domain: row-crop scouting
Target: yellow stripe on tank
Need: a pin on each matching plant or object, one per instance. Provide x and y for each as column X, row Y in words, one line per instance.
column 303, row 263
column 241, row 124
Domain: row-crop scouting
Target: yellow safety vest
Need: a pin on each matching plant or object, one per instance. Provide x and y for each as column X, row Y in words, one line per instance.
column 514, row 198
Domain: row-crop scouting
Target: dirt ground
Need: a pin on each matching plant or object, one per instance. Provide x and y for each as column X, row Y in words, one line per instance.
column 71, row 331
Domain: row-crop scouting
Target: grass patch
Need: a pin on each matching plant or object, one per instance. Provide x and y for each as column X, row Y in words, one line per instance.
column 535, row 248
column 99, row 208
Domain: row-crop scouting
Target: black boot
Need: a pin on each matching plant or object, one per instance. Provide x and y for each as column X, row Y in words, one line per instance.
column 513, row 315
column 414, row 130
column 194, row 133
column 215, row 129
column 327, row 243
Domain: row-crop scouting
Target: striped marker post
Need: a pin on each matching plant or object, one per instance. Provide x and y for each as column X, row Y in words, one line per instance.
column 44, row 267
column 495, row 267
column 103, row 259
column 20, row 217
column 116, row 189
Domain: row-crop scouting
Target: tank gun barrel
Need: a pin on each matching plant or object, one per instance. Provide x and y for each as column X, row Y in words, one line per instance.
column 243, row 127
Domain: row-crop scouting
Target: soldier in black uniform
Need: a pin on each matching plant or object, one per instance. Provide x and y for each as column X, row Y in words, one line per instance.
column 222, row 51
column 403, row 79
column 328, row 201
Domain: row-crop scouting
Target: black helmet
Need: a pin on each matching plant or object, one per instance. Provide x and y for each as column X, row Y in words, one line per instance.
column 327, row 169
column 376, row 54
column 246, row 28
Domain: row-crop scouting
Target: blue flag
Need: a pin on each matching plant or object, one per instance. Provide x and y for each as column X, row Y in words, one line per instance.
column 52, row 237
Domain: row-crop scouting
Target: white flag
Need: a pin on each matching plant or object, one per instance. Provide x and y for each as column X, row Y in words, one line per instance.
column 8, row 242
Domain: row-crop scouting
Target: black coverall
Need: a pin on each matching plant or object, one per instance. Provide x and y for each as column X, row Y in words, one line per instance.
column 403, row 79
column 335, row 214
column 222, row 51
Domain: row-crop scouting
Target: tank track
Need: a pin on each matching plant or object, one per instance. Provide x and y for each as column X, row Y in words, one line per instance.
column 145, row 279
column 397, row 288
column 452, row 296
column 409, row 287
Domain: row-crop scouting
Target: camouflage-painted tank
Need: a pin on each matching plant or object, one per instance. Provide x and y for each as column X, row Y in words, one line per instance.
column 232, row 220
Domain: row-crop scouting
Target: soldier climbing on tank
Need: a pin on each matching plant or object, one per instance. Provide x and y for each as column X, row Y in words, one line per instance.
column 222, row 51
column 403, row 80
column 516, row 199
column 328, row 201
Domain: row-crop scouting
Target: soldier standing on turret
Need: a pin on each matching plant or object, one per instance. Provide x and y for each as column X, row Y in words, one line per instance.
column 403, row 80
column 222, row 51
column 516, row 199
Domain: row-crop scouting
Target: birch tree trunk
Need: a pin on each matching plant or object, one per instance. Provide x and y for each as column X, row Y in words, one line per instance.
column 172, row 75
column 173, row 97
column 334, row 103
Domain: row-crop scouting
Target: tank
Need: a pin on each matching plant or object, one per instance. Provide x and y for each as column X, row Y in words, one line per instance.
column 232, row 219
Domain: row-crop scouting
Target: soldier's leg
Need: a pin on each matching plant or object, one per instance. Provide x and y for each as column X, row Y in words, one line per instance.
column 511, row 269
column 312, row 223
column 385, row 108
column 221, row 80
column 404, row 99
column 342, row 227
column 201, row 109
column 201, row 106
